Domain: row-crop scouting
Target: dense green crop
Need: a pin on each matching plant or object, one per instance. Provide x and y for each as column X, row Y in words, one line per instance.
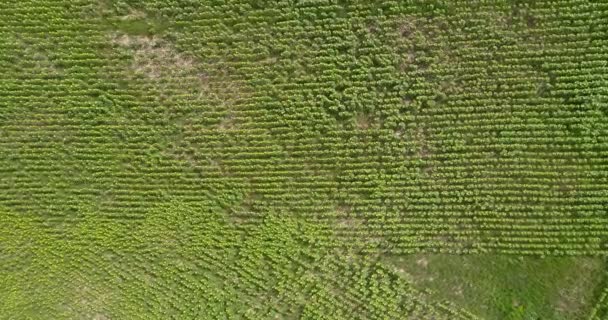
column 255, row 159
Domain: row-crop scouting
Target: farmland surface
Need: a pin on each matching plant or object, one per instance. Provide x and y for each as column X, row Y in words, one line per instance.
column 304, row 159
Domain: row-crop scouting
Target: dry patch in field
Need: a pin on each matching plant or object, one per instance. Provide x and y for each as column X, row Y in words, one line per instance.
column 180, row 80
column 349, row 223
column 156, row 58
column 36, row 57
column 345, row 218
column 423, row 262
column 227, row 123
column 91, row 301
column 134, row 14
column 161, row 63
column 362, row 121
column 422, row 141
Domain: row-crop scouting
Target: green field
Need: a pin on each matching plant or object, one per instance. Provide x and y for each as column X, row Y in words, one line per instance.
column 304, row 159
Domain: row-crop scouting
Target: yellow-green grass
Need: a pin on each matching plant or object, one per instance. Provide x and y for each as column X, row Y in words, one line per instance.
column 508, row 287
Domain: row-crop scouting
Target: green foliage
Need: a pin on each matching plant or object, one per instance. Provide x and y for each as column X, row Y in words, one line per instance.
column 252, row 159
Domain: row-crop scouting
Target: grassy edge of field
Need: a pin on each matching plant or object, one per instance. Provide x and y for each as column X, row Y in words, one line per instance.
column 508, row 287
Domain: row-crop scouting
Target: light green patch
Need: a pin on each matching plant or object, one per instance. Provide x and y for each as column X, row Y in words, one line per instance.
column 136, row 23
column 508, row 287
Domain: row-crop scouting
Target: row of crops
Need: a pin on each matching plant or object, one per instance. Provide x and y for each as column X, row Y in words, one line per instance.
column 372, row 116
column 369, row 127
column 168, row 266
